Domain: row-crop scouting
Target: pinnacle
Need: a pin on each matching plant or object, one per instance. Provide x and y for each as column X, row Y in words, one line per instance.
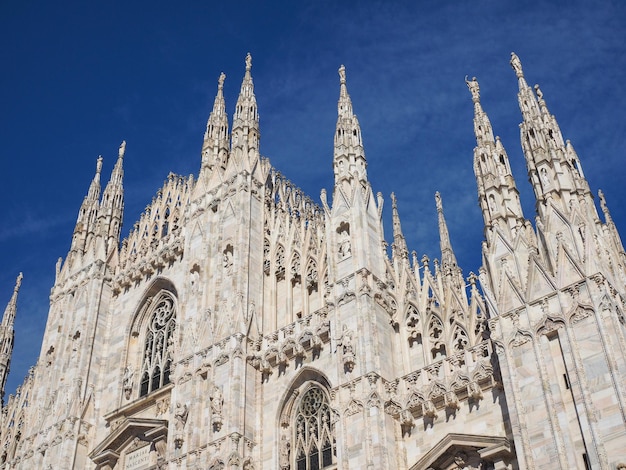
column 18, row 282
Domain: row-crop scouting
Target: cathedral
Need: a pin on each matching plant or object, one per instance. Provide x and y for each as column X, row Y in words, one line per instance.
column 243, row 325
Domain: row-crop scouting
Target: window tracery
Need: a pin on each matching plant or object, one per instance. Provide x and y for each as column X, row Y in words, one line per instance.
column 315, row 445
column 159, row 337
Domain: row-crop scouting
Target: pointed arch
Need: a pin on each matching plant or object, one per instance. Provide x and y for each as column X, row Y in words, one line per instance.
column 158, row 336
column 307, row 435
column 151, row 338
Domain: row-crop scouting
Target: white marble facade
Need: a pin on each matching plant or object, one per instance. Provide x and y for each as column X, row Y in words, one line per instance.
column 241, row 325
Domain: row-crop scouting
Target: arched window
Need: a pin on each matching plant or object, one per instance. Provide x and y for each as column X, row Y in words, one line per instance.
column 315, row 446
column 157, row 353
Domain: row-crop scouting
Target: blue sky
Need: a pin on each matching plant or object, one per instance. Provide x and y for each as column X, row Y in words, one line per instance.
column 80, row 77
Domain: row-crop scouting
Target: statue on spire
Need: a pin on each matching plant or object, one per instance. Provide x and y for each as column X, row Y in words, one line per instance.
column 342, row 74
column 517, row 65
column 220, row 81
column 473, row 88
column 122, row 149
column 248, row 62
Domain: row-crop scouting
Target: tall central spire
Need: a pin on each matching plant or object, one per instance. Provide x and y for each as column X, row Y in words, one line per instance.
column 497, row 193
column 112, row 206
column 9, row 312
column 553, row 166
column 245, row 134
column 7, row 336
column 349, row 157
column 215, row 145
column 88, row 213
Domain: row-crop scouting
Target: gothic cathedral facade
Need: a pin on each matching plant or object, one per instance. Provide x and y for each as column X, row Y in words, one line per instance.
column 240, row 325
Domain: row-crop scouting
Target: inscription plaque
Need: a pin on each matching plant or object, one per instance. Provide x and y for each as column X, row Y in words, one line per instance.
column 138, row 459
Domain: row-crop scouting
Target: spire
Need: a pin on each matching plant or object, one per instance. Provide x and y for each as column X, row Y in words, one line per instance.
column 7, row 336
column 349, row 157
column 553, row 167
column 245, row 134
column 88, row 213
column 399, row 243
column 94, row 188
column 215, row 144
column 497, row 193
column 9, row 313
column 448, row 260
column 112, row 206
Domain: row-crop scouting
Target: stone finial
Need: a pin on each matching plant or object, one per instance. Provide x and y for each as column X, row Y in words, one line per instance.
column 438, row 202
column 18, row 282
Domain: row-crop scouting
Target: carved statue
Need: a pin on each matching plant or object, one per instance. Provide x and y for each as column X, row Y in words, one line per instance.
column 345, row 250
column 473, row 88
column 217, row 401
column 127, row 382
column 517, row 65
column 345, row 341
column 180, row 416
column 342, row 74
column 284, row 452
column 228, row 261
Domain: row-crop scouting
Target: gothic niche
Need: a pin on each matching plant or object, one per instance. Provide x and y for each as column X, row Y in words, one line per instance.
column 296, row 278
column 217, row 402
column 280, row 263
column 347, row 349
column 266, row 257
column 227, row 257
column 344, row 247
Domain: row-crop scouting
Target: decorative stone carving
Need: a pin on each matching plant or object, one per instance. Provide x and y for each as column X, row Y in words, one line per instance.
column 428, row 409
column 217, row 402
column 162, row 405
column 347, row 349
column 344, row 245
column 284, row 450
column 127, row 382
column 180, row 416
